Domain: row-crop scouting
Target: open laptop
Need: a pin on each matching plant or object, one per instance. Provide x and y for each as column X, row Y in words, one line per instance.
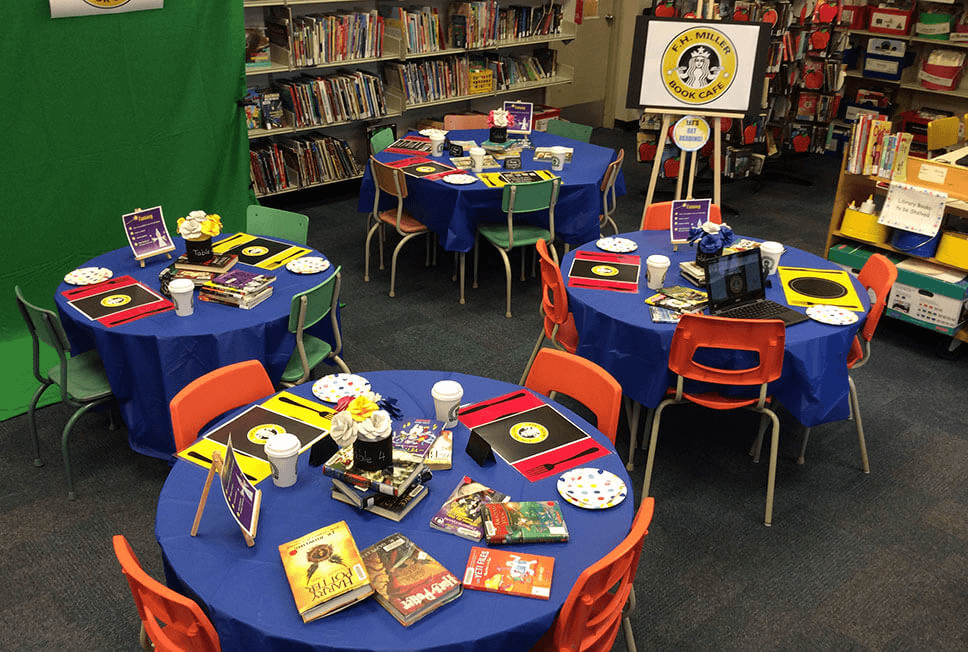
column 735, row 286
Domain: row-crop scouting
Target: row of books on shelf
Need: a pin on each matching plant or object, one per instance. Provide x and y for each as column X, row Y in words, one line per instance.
column 263, row 109
column 330, row 38
column 347, row 95
column 300, row 161
column 874, row 150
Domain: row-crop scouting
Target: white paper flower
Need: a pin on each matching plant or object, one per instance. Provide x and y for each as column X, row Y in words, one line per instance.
column 375, row 428
column 343, row 429
column 499, row 118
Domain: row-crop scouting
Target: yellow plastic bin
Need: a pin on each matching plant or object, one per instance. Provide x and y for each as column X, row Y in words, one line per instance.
column 953, row 249
column 864, row 226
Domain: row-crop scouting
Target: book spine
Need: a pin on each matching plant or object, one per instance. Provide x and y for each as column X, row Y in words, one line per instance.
column 358, row 480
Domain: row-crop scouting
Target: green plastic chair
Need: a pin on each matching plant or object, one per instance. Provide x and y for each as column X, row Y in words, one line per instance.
column 381, row 139
column 520, row 198
column 81, row 378
column 277, row 223
column 572, row 130
column 308, row 309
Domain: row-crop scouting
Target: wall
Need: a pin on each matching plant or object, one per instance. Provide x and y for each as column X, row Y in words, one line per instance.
column 103, row 115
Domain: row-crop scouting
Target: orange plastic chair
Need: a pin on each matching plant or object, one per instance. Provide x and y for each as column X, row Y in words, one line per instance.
column 465, row 121
column 658, row 216
column 214, row 394
column 582, row 380
column 602, row 597
column 169, row 620
column 764, row 337
column 877, row 275
column 394, row 182
column 608, row 194
column 559, row 323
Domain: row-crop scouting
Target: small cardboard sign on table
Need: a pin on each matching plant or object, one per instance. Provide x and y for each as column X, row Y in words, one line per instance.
column 147, row 234
column 241, row 496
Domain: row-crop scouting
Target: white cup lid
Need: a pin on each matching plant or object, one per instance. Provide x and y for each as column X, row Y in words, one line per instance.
column 447, row 389
column 658, row 260
column 181, row 285
column 476, row 150
column 282, row 444
column 771, row 247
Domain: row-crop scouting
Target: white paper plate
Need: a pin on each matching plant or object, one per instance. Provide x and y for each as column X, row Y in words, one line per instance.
column 334, row 387
column 590, row 488
column 617, row 245
column 308, row 265
column 834, row 315
column 429, row 132
column 459, row 179
column 88, row 275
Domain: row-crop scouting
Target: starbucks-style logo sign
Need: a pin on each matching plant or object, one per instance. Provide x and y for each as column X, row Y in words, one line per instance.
column 699, row 65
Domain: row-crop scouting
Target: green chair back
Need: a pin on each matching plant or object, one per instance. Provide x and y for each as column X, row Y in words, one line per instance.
column 45, row 327
column 380, row 140
column 320, row 300
column 306, row 310
column 572, row 130
column 529, row 197
column 277, row 223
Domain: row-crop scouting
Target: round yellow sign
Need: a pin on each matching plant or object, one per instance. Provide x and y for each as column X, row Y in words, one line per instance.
column 690, row 133
column 255, row 250
column 604, row 270
column 529, row 432
column 699, row 65
column 115, row 300
column 260, row 434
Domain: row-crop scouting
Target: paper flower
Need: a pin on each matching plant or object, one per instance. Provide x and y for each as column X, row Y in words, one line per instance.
column 360, row 420
column 361, row 407
column 497, row 118
column 199, row 225
column 711, row 236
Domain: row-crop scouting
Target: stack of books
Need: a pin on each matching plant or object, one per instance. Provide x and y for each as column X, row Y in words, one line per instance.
column 215, row 265
column 237, row 287
column 392, row 492
column 667, row 305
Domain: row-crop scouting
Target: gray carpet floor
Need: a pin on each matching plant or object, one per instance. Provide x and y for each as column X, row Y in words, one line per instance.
column 852, row 562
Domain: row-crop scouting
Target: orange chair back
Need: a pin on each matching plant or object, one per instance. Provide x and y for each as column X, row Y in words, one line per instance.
column 611, row 172
column 582, row 380
column 214, row 394
column 554, row 299
column 469, row 121
column 694, row 332
column 877, row 275
column 183, row 626
column 658, row 216
column 389, row 180
column 592, row 614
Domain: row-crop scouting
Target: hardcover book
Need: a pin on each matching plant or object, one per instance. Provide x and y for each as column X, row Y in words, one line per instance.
column 240, row 282
column 409, row 583
column 325, row 571
column 461, row 512
column 218, row 264
column 392, row 481
column 530, row 521
column 514, row 573
column 391, row 507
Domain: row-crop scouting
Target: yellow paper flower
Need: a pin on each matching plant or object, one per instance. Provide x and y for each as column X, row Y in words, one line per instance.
column 212, row 225
column 360, row 408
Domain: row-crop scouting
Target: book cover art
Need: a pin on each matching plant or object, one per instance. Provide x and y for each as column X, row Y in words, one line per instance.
column 240, row 280
column 679, row 298
column 461, row 512
column 529, row 521
column 409, row 583
column 440, row 455
column 414, row 437
column 325, row 571
column 391, row 507
column 392, row 481
column 514, row 573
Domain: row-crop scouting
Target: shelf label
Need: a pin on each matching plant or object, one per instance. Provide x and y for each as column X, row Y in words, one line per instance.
column 932, row 174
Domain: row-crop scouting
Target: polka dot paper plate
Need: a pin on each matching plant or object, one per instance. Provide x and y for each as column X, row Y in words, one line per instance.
column 88, row 275
column 833, row 315
column 592, row 488
column 308, row 265
column 459, row 179
column 334, row 387
column 617, row 245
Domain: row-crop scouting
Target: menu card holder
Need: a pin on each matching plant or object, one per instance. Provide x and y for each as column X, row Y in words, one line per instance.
column 479, row 449
column 241, row 496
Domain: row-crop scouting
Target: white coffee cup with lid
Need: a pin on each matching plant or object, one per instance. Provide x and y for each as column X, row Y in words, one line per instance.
column 558, row 156
column 447, row 395
column 770, row 253
column 656, row 267
column 477, row 158
column 282, row 449
column 182, row 293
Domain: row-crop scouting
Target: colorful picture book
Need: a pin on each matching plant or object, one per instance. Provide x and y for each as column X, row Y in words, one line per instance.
column 461, row 512
column 392, row 481
column 530, row 521
column 514, row 573
column 680, row 299
column 414, row 437
column 391, row 507
column 325, row 571
column 409, row 583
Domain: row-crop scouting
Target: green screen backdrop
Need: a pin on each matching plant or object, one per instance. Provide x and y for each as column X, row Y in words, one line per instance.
column 107, row 114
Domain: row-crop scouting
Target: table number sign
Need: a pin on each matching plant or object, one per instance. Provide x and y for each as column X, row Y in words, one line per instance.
column 147, row 233
column 913, row 208
column 512, row 163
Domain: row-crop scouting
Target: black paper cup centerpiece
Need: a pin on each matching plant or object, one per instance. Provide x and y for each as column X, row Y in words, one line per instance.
column 199, row 251
column 373, row 455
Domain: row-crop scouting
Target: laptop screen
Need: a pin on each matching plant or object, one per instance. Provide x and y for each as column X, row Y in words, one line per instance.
column 734, row 279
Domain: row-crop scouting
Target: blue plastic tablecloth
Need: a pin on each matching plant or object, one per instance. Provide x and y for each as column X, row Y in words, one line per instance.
column 245, row 589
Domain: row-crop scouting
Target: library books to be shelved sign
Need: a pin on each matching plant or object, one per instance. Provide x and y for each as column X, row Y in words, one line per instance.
column 698, row 67
column 66, row 8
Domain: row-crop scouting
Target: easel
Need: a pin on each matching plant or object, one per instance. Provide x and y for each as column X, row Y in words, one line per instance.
column 136, row 234
column 216, row 467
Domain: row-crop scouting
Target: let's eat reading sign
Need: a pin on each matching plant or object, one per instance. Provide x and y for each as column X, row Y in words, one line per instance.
column 912, row 208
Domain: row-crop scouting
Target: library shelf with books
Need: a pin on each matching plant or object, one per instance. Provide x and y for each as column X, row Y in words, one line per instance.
column 316, row 43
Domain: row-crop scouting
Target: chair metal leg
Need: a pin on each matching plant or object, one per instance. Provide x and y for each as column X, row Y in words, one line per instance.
column 803, row 445
column 758, row 442
column 524, row 259
column 650, row 458
column 461, row 273
column 534, row 354
column 855, row 406
column 341, row 364
column 64, row 447
column 507, row 273
column 771, row 481
column 366, row 251
column 393, row 261
column 477, row 247
column 632, row 412
column 32, row 420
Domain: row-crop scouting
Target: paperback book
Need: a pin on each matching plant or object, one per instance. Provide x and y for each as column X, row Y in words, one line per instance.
column 461, row 512
column 218, row 264
column 514, row 573
column 530, row 521
column 679, row 298
column 391, row 507
column 440, row 456
column 325, row 571
column 409, row 583
column 413, row 438
column 392, row 481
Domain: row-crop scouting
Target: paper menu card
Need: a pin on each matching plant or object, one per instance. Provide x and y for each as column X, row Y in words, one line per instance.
column 913, row 208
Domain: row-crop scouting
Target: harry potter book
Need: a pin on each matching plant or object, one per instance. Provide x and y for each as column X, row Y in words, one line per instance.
column 409, row 583
column 325, row 571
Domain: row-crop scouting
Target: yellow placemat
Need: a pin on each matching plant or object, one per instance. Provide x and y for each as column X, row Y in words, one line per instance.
column 259, row 251
column 303, row 409
column 790, row 277
column 200, row 453
column 501, row 179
